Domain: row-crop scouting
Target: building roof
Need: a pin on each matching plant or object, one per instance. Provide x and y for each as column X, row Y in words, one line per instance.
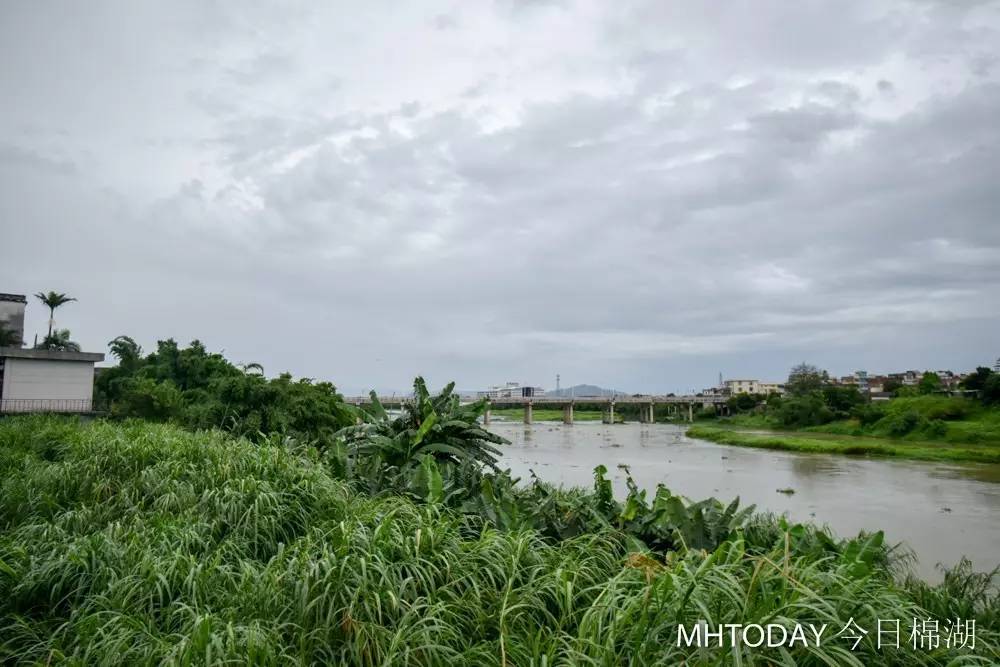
column 19, row 298
column 56, row 355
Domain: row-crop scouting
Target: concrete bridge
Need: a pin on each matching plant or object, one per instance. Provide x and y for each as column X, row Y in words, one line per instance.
column 678, row 406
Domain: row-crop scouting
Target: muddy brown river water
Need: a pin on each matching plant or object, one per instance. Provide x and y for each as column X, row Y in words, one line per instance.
column 942, row 511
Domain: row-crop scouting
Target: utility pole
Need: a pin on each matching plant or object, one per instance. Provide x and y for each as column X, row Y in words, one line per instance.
column 557, row 383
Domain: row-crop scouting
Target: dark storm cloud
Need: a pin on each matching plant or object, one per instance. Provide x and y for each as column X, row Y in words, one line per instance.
column 638, row 197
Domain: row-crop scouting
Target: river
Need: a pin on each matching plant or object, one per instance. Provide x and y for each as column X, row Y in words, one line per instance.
column 942, row 511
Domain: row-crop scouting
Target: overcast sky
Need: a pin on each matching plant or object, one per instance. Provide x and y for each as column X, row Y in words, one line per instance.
column 637, row 195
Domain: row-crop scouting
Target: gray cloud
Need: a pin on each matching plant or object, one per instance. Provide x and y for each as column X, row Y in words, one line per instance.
column 638, row 196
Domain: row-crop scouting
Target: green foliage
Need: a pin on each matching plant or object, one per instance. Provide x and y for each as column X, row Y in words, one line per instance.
column 869, row 413
column 805, row 379
column 899, row 423
column 964, row 593
column 804, row 410
column 140, row 543
column 929, row 383
column 434, row 449
column 199, row 389
column 842, row 400
column 59, row 340
column 977, row 381
column 991, row 390
column 53, row 300
column 745, row 402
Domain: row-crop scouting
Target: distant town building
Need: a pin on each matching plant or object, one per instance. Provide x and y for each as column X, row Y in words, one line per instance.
column 734, row 387
column 906, row 378
column 511, row 390
column 42, row 380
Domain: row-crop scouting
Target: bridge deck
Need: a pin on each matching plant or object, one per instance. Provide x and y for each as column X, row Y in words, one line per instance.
column 565, row 400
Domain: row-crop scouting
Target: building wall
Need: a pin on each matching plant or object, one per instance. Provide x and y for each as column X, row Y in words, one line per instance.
column 12, row 315
column 742, row 386
column 48, row 379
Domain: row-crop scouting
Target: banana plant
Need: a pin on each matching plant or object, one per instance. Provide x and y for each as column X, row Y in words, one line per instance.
column 434, row 449
column 439, row 426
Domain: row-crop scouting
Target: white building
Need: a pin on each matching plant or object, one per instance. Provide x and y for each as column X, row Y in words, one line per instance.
column 42, row 380
column 511, row 390
column 46, row 380
column 735, row 387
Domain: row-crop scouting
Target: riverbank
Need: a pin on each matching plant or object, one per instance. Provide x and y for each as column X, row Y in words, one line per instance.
column 832, row 443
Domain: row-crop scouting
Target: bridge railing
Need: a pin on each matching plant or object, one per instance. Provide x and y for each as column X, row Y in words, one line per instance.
column 561, row 400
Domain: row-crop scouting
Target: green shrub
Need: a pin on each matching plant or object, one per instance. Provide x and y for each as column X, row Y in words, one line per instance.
column 869, row 413
column 898, row 424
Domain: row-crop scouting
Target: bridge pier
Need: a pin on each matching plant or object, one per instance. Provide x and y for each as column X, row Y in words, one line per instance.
column 609, row 414
column 528, row 414
column 568, row 413
column 650, row 414
column 690, row 412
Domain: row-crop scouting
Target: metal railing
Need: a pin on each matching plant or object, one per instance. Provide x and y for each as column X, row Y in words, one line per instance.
column 8, row 405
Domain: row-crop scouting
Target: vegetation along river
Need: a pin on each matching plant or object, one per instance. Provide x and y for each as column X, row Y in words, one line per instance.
column 942, row 511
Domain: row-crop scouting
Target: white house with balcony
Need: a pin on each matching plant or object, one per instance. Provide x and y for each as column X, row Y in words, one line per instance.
column 734, row 387
column 33, row 380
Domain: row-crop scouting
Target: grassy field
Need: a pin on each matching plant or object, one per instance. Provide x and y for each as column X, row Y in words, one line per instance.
column 548, row 415
column 145, row 544
column 931, row 428
column 831, row 443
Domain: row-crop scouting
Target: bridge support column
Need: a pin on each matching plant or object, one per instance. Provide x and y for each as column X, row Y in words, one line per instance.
column 486, row 415
column 651, row 414
column 609, row 414
column 528, row 415
column 568, row 413
column 690, row 412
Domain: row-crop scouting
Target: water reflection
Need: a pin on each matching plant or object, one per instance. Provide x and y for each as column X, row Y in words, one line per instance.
column 941, row 511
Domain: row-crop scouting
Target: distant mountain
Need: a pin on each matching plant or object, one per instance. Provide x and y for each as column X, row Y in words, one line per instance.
column 583, row 390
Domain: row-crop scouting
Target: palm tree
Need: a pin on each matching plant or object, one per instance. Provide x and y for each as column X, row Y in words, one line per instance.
column 59, row 340
column 128, row 352
column 53, row 300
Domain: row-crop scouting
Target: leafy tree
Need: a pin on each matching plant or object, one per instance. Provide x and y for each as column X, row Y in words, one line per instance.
column 805, row 378
column 842, row 400
column 804, row 410
column 127, row 351
column 892, row 386
column 200, row 389
column 53, row 300
column 929, row 383
column 744, row 402
column 991, row 390
column 977, row 381
column 59, row 340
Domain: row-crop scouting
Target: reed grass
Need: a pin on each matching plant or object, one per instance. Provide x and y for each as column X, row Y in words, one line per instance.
column 145, row 544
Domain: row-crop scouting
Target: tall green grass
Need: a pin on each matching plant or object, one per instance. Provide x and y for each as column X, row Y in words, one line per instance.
column 145, row 544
